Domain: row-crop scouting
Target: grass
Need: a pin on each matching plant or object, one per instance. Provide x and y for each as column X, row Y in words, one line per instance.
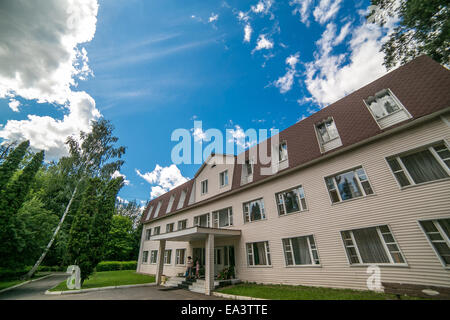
column 9, row 283
column 285, row 292
column 110, row 278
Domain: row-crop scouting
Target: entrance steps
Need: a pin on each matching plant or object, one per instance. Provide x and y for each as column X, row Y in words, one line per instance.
column 196, row 285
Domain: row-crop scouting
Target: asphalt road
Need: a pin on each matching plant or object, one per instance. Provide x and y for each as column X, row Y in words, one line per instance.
column 35, row 291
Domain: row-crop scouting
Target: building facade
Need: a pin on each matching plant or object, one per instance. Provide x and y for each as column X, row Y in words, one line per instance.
column 363, row 182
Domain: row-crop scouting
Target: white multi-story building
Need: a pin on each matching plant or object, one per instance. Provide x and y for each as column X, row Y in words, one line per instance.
column 364, row 181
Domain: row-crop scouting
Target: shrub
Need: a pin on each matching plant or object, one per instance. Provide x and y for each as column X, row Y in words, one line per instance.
column 116, row 265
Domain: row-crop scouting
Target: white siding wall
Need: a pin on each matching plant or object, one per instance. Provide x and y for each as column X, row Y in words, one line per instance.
column 399, row 208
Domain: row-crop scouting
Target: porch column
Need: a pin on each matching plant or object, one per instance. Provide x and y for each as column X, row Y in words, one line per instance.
column 209, row 264
column 160, row 261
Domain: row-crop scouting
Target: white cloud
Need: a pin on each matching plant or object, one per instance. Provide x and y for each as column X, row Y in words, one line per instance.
column 242, row 16
column 238, row 137
column 302, row 7
column 286, row 82
column 331, row 77
column 326, row 10
column 165, row 179
column 198, row 134
column 40, row 60
column 263, row 7
column 247, row 32
column 263, row 43
column 117, row 174
column 213, row 17
column 14, row 105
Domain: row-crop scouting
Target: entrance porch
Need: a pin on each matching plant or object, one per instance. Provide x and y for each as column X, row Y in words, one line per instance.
column 215, row 258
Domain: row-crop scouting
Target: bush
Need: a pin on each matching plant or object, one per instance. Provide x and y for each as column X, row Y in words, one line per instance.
column 10, row 274
column 116, row 265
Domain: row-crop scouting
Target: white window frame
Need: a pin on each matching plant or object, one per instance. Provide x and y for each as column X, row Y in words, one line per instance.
column 153, row 254
column 384, row 243
column 396, row 100
column 177, row 257
column 429, row 147
column 222, row 174
column 170, row 204
column 145, row 257
column 363, row 191
column 280, row 195
column 291, row 251
column 148, row 234
column 182, row 199
column 246, row 166
column 444, row 236
column 204, row 182
column 197, row 220
column 180, row 222
column 280, row 159
column 319, row 136
column 157, row 230
column 166, row 255
column 263, row 210
column 266, row 251
column 167, row 227
column 158, row 208
column 216, row 217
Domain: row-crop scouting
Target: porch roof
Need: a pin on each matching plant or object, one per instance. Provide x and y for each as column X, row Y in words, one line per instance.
column 196, row 233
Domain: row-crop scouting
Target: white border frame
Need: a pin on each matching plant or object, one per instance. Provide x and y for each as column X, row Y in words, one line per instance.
column 429, row 241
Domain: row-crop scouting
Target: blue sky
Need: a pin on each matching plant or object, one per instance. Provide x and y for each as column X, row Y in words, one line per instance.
column 154, row 66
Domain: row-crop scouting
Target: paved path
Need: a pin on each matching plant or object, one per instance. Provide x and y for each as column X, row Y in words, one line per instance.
column 35, row 291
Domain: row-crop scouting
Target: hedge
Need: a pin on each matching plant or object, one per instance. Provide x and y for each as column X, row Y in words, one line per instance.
column 116, row 265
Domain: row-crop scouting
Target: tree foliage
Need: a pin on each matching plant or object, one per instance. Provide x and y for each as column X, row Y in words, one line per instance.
column 11, row 162
column 423, row 28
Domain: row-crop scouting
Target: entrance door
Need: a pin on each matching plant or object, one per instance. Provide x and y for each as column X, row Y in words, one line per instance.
column 218, row 260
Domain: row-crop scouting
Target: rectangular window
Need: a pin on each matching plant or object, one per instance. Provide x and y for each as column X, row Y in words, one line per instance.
column 327, row 131
column 169, row 206
column 438, row 233
column 372, row 245
column 202, row 221
column 168, row 256
column 204, row 186
column 248, row 168
column 300, row 251
column 258, row 254
column 348, row 185
column 153, row 256
column 291, row 201
column 283, row 154
column 180, row 256
column 169, row 227
column 156, row 230
column 144, row 257
column 254, row 210
column 223, row 177
column 421, row 165
column 382, row 104
column 158, row 207
column 148, row 233
column 182, row 224
column 223, row 218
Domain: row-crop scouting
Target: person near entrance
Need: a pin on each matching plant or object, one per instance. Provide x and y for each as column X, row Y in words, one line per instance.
column 197, row 269
column 189, row 264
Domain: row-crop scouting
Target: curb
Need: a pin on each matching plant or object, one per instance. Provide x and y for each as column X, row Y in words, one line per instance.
column 99, row 289
column 24, row 283
column 235, row 297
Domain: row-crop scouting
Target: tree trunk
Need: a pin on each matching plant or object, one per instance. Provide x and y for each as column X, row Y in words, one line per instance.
column 36, row 265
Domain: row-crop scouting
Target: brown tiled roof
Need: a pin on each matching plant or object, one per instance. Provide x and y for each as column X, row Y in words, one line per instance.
column 422, row 86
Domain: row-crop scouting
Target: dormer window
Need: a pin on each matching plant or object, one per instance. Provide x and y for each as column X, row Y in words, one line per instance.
column 182, row 198
column 204, row 186
column 386, row 108
column 328, row 135
column 169, row 206
column 248, row 168
column 157, row 209
column 282, row 151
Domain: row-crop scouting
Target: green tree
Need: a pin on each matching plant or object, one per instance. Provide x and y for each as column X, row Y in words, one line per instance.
column 11, row 199
column 424, row 28
column 11, row 163
column 93, row 155
column 120, row 240
column 79, row 237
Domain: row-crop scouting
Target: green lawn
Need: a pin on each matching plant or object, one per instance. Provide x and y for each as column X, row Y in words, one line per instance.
column 285, row 292
column 110, row 278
